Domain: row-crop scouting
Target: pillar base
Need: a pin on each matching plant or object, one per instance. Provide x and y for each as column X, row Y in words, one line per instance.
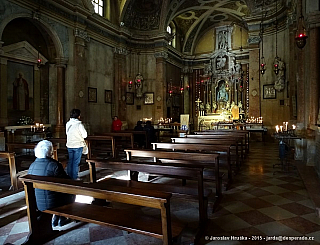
column 60, row 131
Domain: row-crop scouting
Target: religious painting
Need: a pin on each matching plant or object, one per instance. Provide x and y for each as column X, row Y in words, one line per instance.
column 20, row 86
column 108, row 96
column 92, row 94
column 148, row 98
column 269, row 91
column 129, row 98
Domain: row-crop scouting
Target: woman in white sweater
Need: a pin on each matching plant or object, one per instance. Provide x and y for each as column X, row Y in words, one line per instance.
column 76, row 133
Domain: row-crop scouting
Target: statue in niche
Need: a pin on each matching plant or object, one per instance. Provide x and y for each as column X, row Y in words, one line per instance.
column 279, row 83
column 222, row 93
column 139, row 85
column 221, row 62
column 222, row 40
column 240, row 106
column 20, row 94
column 214, row 106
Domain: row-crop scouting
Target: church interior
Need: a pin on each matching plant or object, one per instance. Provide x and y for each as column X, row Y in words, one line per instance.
column 231, row 88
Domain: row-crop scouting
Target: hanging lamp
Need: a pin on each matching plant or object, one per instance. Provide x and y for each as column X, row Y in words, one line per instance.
column 263, row 62
column 276, row 58
column 301, row 35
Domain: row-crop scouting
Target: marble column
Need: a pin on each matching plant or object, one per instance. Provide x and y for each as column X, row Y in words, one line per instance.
column 161, row 85
column 186, row 95
column 3, row 89
column 120, row 83
column 60, row 126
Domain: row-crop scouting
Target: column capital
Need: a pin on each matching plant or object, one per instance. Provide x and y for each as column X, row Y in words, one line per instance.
column 81, row 34
column 121, row 51
column 187, row 69
column 61, row 62
column 161, row 54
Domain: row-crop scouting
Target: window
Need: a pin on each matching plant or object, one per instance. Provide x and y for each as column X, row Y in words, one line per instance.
column 169, row 30
column 98, row 6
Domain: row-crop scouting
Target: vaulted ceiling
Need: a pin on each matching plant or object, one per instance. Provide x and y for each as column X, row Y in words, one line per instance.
column 192, row 17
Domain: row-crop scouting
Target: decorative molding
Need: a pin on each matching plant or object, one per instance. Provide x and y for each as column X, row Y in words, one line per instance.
column 22, row 51
column 187, row 69
column 61, row 62
column 162, row 54
column 254, row 40
column 81, row 34
column 122, row 51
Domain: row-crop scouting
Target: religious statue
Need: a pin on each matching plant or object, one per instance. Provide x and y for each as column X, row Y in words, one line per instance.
column 240, row 106
column 20, row 94
column 222, row 93
column 221, row 62
column 222, row 40
column 214, row 106
column 138, row 85
column 279, row 83
column 228, row 105
column 232, row 105
column 208, row 107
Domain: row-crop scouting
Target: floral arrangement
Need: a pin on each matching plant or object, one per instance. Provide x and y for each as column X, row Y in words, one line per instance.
column 25, row 121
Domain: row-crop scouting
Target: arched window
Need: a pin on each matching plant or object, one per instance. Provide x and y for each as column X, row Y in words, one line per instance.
column 98, row 6
column 172, row 30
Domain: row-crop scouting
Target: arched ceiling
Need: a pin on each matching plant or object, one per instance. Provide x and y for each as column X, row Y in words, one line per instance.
column 191, row 17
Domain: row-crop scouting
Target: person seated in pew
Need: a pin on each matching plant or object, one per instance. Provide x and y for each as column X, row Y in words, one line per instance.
column 151, row 133
column 45, row 165
column 139, row 138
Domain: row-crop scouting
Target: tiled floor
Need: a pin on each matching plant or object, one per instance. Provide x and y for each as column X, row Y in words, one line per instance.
column 259, row 205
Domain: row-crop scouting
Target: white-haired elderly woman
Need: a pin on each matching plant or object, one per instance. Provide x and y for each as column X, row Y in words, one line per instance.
column 45, row 165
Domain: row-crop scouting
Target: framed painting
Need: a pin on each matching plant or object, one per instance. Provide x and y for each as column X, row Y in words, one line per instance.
column 92, row 95
column 129, row 98
column 269, row 91
column 108, row 96
column 148, row 98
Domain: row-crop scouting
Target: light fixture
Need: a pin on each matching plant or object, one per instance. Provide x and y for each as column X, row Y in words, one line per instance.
column 241, row 48
column 276, row 58
column 301, row 35
column 263, row 63
column 130, row 83
column 170, row 88
column 138, row 80
column 39, row 61
column 181, row 84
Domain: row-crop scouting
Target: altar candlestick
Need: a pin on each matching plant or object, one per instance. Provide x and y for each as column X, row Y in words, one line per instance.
column 293, row 127
column 281, row 127
column 277, row 129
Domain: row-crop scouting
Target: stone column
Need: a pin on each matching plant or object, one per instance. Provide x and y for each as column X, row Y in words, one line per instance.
column 255, row 90
column 60, row 126
column 3, row 89
column 186, row 87
column 313, row 88
column 161, row 85
column 120, row 83
column 81, row 75
column 36, row 94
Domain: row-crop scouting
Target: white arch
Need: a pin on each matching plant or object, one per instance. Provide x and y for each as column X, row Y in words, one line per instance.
column 52, row 33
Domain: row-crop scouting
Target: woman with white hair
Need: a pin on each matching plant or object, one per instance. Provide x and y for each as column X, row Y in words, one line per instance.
column 45, row 165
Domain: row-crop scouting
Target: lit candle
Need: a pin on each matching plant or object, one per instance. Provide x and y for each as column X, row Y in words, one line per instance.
column 281, row 127
column 286, row 126
column 293, row 127
column 31, row 128
column 277, row 129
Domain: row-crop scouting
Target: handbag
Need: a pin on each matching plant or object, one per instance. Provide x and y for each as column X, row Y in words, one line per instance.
column 85, row 149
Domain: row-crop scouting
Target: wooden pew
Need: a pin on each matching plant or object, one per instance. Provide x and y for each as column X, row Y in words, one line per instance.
column 13, row 169
column 126, row 134
column 41, row 230
column 90, row 139
column 205, row 160
column 202, row 148
column 246, row 134
column 12, row 146
column 237, row 137
column 231, row 142
column 183, row 172
column 12, row 163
